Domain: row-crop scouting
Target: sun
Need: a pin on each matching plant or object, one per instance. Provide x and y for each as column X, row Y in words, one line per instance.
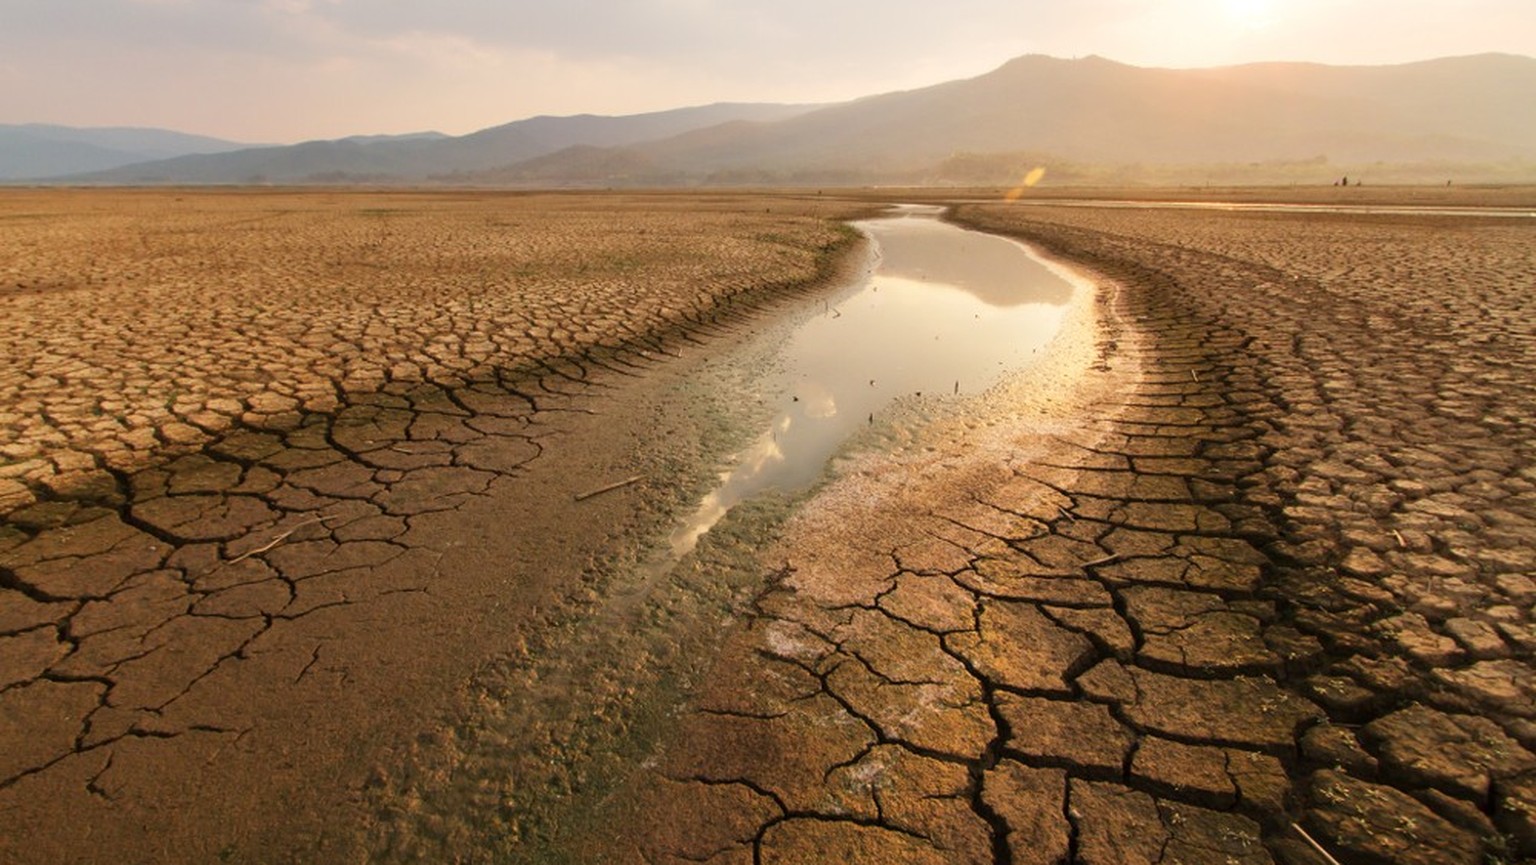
column 1250, row 14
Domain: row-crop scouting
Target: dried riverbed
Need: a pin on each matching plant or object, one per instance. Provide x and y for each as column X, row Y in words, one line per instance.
column 1248, row 550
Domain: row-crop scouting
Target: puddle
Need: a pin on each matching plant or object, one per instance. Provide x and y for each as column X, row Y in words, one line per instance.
column 944, row 311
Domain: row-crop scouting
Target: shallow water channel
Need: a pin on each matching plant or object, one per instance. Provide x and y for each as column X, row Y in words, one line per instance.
column 943, row 311
column 558, row 732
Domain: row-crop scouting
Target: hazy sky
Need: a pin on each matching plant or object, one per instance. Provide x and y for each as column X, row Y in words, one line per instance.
column 286, row 70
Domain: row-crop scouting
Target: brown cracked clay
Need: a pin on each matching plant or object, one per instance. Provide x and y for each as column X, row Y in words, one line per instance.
column 1277, row 575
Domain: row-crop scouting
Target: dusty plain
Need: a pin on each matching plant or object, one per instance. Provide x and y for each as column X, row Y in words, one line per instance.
column 291, row 568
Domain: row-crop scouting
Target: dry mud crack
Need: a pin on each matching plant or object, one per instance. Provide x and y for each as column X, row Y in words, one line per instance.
column 1264, row 581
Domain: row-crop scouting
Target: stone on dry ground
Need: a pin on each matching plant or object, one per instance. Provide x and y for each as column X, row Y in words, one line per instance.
column 1279, row 572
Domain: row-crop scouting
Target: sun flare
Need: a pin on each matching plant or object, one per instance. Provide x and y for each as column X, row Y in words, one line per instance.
column 1250, row 14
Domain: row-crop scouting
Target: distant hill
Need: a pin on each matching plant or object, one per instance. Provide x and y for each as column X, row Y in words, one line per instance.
column 409, row 136
column 431, row 156
column 1085, row 120
column 1087, row 112
column 37, row 150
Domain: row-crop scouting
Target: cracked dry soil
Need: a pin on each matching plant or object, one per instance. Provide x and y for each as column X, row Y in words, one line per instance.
column 279, row 471
column 1252, row 547
column 1263, row 560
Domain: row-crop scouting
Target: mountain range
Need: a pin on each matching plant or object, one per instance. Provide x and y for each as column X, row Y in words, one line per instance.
column 1084, row 120
column 36, row 150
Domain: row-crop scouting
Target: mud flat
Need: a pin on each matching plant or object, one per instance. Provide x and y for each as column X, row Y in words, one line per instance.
column 1244, row 571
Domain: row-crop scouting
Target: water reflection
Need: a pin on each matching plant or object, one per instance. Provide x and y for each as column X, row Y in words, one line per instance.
column 945, row 310
column 929, row 251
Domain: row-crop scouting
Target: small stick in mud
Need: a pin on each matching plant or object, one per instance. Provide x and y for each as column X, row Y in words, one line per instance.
column 616, row 485
column 1315, row 846
column 1104, row 561
column 279, row 539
